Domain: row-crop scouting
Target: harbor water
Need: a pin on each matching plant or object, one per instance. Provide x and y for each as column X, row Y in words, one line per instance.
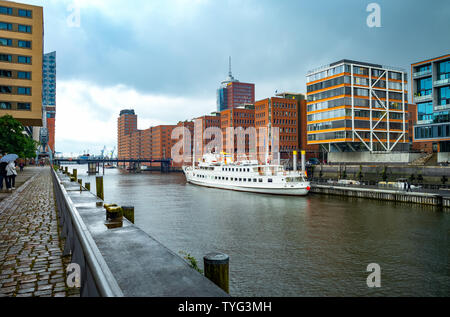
column 291, row 246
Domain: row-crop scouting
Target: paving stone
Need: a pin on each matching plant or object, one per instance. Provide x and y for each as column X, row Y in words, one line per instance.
column 31, row 255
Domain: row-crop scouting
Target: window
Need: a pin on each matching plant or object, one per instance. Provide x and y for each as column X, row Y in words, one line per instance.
column 24, row 75
column 5, row 10
column 5, row 105
column 5, row 26
column 24, row 59
column 5, row 42
column 270, row 180
column 24, row 90
column 25, row 13
column 24, row 44
column 24, row 28
column 5, row 89
column 5, row 73
column 24, row 106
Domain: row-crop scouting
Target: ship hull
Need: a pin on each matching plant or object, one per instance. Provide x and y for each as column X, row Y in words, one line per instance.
column 292, row 190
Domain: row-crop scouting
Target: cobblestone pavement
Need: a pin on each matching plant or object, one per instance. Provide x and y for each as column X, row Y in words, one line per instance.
column 31, row 261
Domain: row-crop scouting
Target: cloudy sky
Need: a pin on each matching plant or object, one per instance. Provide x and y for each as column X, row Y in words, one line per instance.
column 165, row 59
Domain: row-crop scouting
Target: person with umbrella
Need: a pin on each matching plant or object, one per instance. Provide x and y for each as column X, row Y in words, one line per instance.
column 11, row 173
column 4, row 161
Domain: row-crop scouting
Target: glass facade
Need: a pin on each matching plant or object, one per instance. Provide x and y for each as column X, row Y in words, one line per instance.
column 49, row 80
column 433, row 117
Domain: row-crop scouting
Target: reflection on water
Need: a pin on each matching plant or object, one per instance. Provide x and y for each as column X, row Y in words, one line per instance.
column 292, row 246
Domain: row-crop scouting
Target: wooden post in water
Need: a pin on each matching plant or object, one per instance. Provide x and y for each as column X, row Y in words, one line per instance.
column 99, row 183
column 75, row 174
column 88, row 186
column 66, row 170
column 217, row 269
column 128, row 212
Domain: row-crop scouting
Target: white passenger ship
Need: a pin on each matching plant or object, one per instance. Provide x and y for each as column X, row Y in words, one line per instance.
column 218, row 171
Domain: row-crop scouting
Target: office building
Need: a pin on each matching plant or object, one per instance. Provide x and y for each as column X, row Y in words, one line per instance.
column 21, row 54
column 232, row 93
column 49, row 96
column 356, row 106
column 280, row 113
column 431, row 92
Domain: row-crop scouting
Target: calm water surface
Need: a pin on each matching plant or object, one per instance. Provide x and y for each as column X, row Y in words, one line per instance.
column 292, row 246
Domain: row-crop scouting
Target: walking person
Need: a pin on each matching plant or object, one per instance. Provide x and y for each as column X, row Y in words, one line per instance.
column 3, row 175
column 11, row 174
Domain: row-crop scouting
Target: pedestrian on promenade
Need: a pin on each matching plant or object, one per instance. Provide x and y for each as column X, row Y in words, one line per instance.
column 409, row 187
column 21, row 166
column 11, row 173
column 3, row 175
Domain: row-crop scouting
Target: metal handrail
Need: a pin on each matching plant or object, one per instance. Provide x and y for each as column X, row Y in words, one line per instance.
column 105, row 283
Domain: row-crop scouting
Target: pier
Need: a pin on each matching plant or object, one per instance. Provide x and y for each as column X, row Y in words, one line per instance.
column 431, row 199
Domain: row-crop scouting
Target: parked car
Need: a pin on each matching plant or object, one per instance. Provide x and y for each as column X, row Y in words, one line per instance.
column 313, row 161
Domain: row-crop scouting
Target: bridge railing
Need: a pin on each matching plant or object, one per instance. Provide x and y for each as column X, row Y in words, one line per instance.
column 96, row 279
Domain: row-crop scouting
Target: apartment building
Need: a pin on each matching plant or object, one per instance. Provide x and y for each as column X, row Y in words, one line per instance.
column 21, row 55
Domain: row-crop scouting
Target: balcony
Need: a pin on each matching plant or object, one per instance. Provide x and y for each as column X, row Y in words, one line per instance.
column 423, row 98
column 422, row 73
column 442, row 82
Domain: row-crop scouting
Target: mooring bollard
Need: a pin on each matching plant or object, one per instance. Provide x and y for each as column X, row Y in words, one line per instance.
column 99, row 183
column 114, row 216
column 128, row 212
column 217, row 269
column 88, row 186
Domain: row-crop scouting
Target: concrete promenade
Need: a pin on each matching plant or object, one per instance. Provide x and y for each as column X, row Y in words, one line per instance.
column 31, row 261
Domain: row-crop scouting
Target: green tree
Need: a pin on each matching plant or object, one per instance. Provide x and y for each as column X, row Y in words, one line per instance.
column 14, row 140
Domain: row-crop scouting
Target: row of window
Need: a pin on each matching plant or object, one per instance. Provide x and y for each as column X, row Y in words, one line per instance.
column 14, row 43
column 15, row 59
column 6, row 105
column 358, row 113
column 20, row 12
column 235, row 179
column 5, row 26
column 431, row 132
column 15, row 90
column 356, row 70
column 14, row 74
column 359, row 124
column 356, row 92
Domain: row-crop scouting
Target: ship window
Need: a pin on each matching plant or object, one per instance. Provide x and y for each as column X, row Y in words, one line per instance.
column 270, row 180
column 248, row 170
column 240, row 179
column 255, row 180
column 227, row 178
column 245, row 179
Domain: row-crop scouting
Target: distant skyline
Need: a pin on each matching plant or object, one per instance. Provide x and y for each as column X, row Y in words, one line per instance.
column 166, row 59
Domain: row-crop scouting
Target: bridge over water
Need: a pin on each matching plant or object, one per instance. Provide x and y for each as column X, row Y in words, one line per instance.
column 132, row 163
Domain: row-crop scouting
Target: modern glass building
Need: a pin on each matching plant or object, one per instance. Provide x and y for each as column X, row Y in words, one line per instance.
column 233, row 93
column 431, row 93
column 49, row 96
column 357, row 106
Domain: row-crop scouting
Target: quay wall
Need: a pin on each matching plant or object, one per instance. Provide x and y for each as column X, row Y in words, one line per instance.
column 130, row 260
column 380, row 194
